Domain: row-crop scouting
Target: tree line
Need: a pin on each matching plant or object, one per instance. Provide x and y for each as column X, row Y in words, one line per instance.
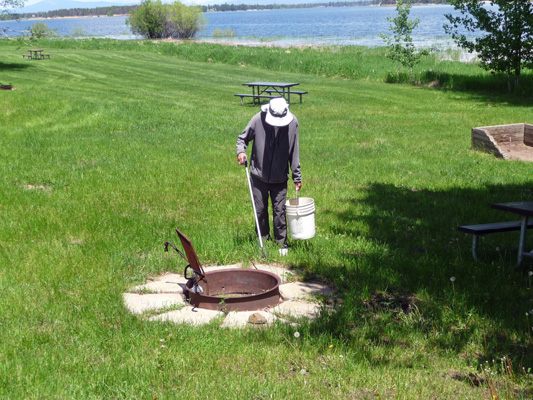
column 75, row 12
column 128, row 10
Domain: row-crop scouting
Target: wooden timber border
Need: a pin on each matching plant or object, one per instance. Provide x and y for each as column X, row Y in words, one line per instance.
column 489, row 138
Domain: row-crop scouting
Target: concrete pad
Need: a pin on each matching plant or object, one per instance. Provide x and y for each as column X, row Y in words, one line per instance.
column 284, row 273
column 169, row 283
column 297, row 309
column 189, row 315
column 219, row 267
column 166, row 290
column 139, row 303
column 172, row 283
column 303, row 290
column 241, row 319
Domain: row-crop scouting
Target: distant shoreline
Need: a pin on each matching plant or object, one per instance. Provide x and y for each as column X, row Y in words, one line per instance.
column 127, row 15
column 76, row 16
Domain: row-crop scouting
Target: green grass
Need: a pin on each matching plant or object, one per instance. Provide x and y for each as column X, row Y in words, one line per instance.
column 108, row 147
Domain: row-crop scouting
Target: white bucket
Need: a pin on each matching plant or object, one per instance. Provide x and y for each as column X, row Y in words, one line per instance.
column 301, row 217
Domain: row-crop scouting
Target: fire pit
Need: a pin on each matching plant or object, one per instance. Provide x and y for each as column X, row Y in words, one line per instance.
column 510, row 142
column 228, row 289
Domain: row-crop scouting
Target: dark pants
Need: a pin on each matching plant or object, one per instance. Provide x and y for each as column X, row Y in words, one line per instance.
column 278, row 195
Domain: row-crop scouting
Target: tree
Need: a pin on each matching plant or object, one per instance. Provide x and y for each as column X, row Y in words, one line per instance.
column 149, row 20
column 41, row 29
column 155, row 20
column 506, row 40
column 5, row 4
column 401, row 47
column 184, row 22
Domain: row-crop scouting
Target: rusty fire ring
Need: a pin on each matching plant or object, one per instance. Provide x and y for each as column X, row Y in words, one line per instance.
column 229, row 289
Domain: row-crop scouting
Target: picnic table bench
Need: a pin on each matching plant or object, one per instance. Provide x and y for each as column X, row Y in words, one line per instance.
column 486, row 229
column 255, row 96
column 300, row 92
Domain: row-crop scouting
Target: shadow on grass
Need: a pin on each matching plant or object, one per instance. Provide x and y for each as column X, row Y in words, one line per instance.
column 13, row 66
column 419, row 273
column 492, row 87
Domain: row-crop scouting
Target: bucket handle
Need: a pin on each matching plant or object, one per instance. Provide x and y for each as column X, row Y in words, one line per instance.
column 194, row 278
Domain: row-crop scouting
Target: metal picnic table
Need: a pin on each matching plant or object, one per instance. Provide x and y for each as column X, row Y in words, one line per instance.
column 525, row 210
column 269, row 90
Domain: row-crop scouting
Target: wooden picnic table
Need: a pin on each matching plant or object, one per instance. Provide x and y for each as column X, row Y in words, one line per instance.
column 36, row 54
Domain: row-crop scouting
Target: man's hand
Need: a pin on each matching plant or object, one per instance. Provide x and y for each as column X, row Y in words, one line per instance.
column 241, row 157
column 298, row 186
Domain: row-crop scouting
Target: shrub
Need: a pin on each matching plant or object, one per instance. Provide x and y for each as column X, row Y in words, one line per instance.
column 78, row 31
column 154, row 20
column 148, row 20
column 41, row 29
column 401, row 47
column 184, row 22
column 220, row 33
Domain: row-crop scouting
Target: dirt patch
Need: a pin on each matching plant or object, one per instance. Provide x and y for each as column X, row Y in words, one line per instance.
column 470, row 378
column 231, row 42
column 395, row 302
column 516, row 151
column 46, row 189
column 169, row 40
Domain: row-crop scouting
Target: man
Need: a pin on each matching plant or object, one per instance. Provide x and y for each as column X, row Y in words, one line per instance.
column 274, row 132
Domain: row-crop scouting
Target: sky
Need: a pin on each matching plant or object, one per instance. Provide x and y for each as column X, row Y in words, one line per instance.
column 129, row 2
column 115, row 2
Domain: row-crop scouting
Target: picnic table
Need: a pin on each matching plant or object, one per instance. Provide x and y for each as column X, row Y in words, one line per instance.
column 525, row 210
column 270, row 90
column 36, row 54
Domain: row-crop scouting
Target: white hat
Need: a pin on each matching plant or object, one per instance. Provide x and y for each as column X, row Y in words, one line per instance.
column 277, row 112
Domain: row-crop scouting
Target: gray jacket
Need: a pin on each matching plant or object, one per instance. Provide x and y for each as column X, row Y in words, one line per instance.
column 272, row 155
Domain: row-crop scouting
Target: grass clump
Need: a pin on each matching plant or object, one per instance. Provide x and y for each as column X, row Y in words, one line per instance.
column 223, row 33
column 107, row 147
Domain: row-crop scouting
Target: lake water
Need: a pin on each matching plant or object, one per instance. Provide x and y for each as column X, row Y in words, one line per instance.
column 321, row 26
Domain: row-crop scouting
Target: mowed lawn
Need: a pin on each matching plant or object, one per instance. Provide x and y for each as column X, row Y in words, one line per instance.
column 103, row 153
